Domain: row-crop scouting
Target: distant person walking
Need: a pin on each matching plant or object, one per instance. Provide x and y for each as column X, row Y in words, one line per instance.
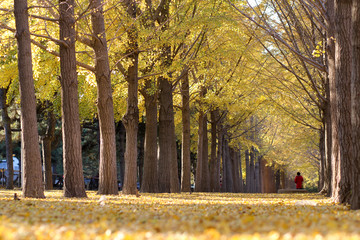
column 299, row 180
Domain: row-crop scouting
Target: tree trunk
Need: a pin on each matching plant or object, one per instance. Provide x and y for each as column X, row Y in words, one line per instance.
column 229, row 181
column 220, row 175
column 205, row 158
column 107, row 168
column 326, row 162
column 30, row 153
column 257, row 176
column 343, row 90
column 8, row 140
column 355, row 100
column 141, row 152
column 131, row 121
column 185, row 146
column 332, row 97
column 150, row 177
column 131, row 118
column 247, row 166
column 214, row 178
column 174, row 168
column 120, row 129
column 46, row 150
column 73, row 171
column 235, row 170
column 165, row 134
column 241, row 186
column 252, row 172
column 200, row 152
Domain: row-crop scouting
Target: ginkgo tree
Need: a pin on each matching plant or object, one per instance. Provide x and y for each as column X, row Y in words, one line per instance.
column 226, row 80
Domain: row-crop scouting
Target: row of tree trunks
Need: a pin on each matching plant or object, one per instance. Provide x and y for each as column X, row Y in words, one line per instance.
column 202, row 179
column 268, row 183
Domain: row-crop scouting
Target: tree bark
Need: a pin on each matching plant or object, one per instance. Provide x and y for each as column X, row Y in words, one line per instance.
column 8, row 139
column 120, row 129
column 241, row 186
column 235, row 170
column 46, row 150
column 165, row 134
column 252, row 172
column 141, row 152
column 355, row 100
column 150, row 177
column 131, row 118
column 257, row 176
column 326, row 162
column 214, row 178
column 30, row 153
column 247, row 166
column 202, row 168
column 199, row 162
column 343, row 90
column 174, row 168
column 205, row 158
column 107, row 168
column 228, row 174
column 185, row 147
column 73, row 170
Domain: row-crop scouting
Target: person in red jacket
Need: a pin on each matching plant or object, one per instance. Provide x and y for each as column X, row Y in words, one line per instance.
column 299, row 180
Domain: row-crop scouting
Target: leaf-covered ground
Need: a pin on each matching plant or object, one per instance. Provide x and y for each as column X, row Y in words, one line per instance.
column 176, row 216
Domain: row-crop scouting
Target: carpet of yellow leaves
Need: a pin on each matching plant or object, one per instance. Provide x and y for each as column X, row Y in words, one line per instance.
column 176, row 216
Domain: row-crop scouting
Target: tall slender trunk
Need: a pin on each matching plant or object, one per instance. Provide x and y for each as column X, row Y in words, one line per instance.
column 332, row 97
column 131, row 121
column 252, row 171
column 165, row 134
column 46, row 150
column 343, row 90
column 235, row 170
column 174, row 168
column 220, row 175
column 120, row 129
column 229, row 181
column 200, row 152
column 240, row 169
column 30, row 153
column 205, row 158
column 8, row 139
column 257, row 176
column 131, row 118
column 150, row 177
column 247, row 168
column 214, row 180
column 107, row 168
column 73, row 170
column 326, row 163
column 355, row 94
column 141, row 152
column 185, row 146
